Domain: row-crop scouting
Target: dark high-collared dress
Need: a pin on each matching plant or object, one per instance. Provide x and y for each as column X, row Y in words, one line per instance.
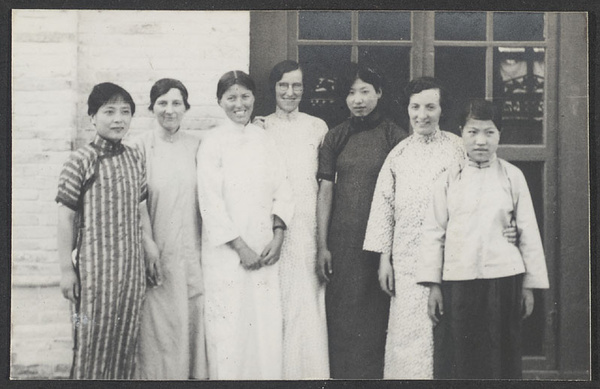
column 104, row 183
column 357, row 310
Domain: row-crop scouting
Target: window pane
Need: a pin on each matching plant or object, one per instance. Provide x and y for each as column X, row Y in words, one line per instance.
column 393, row 63
column 519, row 74
column 533, row 327
column 460, row 26
column 384, row 26
column 518, row 26
column 321, row 81
column 462, row 71
column 324, row 25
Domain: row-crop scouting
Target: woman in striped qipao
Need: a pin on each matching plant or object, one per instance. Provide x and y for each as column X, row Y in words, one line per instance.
column 101, row 196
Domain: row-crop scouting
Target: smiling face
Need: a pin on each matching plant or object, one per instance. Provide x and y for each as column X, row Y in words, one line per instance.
column 112, row 119
column 481, row 138
column 238, row 103
column 362, row 98
column 424, row 111
column 288, row 91
column 169, row 110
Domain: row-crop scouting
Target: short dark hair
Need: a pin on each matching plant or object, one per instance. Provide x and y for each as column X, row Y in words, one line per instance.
column 353, row 72
column 420, row 84
column 232, row 78
column 479, row 109
column 105, row 92
column 163, row 86
column 279, row 70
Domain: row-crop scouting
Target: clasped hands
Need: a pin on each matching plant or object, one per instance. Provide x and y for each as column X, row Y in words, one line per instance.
column 250, row 260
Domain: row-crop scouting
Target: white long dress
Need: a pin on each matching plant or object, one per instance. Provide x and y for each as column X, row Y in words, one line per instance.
column 402, row 195
column 305, row 349
column 241, row 184
column 171, row 343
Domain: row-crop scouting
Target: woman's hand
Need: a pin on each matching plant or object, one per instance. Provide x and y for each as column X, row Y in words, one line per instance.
column 248, row 257
column 510, row 233
column 153, row 265
column 526, row 302
column 272, row 251
column 386, row 274
column 435, row 303
column 69, row 284
column 324, row 264
column 259, row 121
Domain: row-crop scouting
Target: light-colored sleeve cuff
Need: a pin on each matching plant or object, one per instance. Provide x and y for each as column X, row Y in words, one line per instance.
column 220, row 238
column 532, row 282
column 285, row 211
column 429, row 275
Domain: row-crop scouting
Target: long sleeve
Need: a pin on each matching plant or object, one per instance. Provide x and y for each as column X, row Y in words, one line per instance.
column 380, row 227
column 218, row 225
column 433, row 238
column 530, row 242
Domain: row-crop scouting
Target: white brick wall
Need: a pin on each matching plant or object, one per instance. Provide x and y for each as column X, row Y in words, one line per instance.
column 57, row 57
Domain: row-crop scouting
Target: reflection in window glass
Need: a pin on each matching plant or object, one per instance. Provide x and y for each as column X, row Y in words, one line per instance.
column 519, row 75
column 384, row 26
column 393, row 63
column 462, row 71
column 321, row 97
column 518, row 26
column 460, row 26
column 324, row 25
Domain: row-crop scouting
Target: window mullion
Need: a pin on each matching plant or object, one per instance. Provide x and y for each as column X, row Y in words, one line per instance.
column 354, row 36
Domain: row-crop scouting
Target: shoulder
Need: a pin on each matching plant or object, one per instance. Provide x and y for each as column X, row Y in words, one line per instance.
column 213, row 137
column 82, row 156
column 511, row 170
column 454, row 141
column 191, row 138
column 134, row 151
column 338, row 131
column 450, row 137
column 400, row 147
column 317, row 125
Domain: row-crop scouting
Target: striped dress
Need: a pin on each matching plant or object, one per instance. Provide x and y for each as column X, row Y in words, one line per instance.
column 104, row 183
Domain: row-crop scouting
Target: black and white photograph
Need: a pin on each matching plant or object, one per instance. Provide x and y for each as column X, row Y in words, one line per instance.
column 300, row 194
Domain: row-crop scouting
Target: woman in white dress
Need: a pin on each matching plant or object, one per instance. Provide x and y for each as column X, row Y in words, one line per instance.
column 171, row 345
column 298, row 137
column 402, row 195
column 246, row 204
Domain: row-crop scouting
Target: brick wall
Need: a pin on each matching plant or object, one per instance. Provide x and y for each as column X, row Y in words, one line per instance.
column 57, row 57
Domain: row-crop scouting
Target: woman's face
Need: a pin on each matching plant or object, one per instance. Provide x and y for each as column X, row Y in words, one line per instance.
column 424, row 111
column 112, row 120
column 481, row 138
column 288, row 90
column 169, row 110
column 362, row 98
column 238, row 103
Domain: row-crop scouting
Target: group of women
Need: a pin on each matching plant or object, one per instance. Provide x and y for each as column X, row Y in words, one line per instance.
column 273, row 248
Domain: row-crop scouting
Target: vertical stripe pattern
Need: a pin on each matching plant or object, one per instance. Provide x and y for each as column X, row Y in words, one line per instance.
column 111, row 265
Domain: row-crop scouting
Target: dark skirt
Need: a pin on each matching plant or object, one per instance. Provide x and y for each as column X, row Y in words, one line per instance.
column 357, row 315
column 479, row 335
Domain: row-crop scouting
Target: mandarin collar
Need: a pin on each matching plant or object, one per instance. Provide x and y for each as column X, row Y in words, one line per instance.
column 428, row 138
column 168, row 136
column 107, row 146
column 289, row 116
column 481, row 165
column 368, row 122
